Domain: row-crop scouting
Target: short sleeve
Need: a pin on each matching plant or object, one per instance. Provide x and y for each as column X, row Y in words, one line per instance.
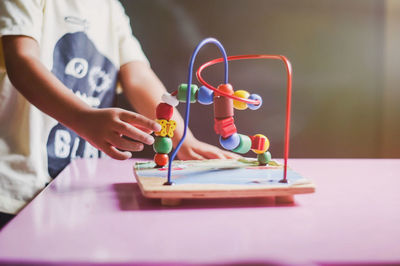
column 21, row 17
column 129, row 47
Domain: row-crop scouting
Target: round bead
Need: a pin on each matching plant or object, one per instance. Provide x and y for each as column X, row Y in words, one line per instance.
column 240, row 105
column 205, row 95
column 171, row 100
column 182, row 92
column 264, row 158
column 244, row 145
column 162, row 145
column 230, row 142
column 266, row 145
column 255, row 97
column 227, row 88
column 161, row 159
column 164, row 111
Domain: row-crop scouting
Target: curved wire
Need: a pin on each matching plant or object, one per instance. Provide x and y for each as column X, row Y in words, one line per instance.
column 188, row 94
column 288, row 66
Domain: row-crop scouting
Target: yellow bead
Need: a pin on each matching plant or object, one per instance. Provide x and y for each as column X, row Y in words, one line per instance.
column 170, row 128
column 240, row 105
column 167, row 128
column 163, row 131
column 262, row 149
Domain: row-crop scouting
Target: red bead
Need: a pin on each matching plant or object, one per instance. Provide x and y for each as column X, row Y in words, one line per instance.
column 164, row 111
column 223, row 107
column 227, row 88
column 257, row 142
column 225, row 127
column 161, row 159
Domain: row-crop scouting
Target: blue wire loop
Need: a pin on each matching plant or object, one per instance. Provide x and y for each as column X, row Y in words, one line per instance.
column 189, row 83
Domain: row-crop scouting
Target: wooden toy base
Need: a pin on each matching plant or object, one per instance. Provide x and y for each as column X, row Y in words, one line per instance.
column 219, row 179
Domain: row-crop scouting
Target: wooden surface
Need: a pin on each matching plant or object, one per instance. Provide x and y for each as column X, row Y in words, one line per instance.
column 245, row 176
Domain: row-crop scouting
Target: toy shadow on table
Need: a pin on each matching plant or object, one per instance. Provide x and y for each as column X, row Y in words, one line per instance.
column 130, row 198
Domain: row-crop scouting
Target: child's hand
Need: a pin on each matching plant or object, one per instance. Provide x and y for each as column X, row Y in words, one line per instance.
column 193, row 149
column 117, row 132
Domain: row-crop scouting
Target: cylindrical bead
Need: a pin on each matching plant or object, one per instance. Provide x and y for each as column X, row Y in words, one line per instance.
column 223, row 107
column 182, row 92
column 162, row 144
column 164, row 111
column 205, row 95
column 244, row 145
column 161, row 159
column 260, row 143
column 255, row 97
column 238, row 104
column 171, row 100
column 264, row 158
column 230, row 142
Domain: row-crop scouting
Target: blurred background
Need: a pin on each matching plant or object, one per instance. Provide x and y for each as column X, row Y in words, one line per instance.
column 345, row 57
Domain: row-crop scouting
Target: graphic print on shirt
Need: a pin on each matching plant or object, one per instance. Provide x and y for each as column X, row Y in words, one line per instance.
column 92, row 77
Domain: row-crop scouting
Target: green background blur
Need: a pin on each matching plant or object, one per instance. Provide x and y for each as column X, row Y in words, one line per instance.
column 344, row 55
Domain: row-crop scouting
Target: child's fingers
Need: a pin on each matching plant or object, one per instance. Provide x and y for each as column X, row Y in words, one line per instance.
column 196, row 156
column 211, row 153
column 231, row 155
column 148, row 131
column 116, row 154
column 125, row 144
column 140, row 120
column 134, row 133
column 190, row 155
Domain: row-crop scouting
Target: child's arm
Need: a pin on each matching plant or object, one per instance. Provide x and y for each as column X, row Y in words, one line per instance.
column 103, row 128
column 144, row 90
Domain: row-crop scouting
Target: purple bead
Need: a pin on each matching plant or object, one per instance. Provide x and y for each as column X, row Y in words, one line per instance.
column 255, row 97
column 205, row 95
column 230, row 142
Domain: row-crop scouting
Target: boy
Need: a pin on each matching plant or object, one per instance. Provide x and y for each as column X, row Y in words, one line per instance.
column 65, row 59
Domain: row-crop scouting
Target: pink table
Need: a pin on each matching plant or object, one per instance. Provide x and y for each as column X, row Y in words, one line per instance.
column 94, row 213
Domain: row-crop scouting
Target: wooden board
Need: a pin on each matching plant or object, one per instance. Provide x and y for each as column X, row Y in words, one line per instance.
column 242, row 178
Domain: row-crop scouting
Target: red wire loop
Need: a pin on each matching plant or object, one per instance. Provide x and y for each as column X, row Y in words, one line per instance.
column 255, row 102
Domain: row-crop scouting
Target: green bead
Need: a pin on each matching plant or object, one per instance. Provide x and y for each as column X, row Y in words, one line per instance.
column 182, row 92
column 264, row 158
column 244, row 145
column 162, row 145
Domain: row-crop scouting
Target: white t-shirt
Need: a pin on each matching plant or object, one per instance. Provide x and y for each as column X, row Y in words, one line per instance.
column 83, row 43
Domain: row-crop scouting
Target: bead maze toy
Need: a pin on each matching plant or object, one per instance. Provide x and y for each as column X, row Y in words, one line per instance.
column 261, row 177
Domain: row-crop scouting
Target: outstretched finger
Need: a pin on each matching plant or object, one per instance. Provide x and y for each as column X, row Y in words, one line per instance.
column 125, row 144
column 134, row 133
column 139, row 120
column 146, row 130
column 231, row 155
column 189, row 155
column 116, row 154
column 210, row 153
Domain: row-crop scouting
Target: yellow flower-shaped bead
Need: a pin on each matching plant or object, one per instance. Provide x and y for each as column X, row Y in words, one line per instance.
column 240, row 105
column 167, row 128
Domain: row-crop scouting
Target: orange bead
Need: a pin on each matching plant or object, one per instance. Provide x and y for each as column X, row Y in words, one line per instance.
column 227, row 88
column 161, row 159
